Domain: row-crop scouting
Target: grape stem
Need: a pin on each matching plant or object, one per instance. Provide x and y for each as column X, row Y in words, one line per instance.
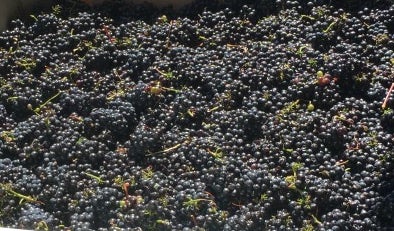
column 387, row 96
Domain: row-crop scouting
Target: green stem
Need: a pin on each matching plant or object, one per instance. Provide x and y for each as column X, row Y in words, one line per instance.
column 97, row 178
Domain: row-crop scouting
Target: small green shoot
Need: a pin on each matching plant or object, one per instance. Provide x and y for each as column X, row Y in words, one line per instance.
column 163, row 19
column 316, row 220
column 149, row 213
column 191, row 112
column 12, row 99
column 295, row 167
column 157, row 89
column 194, row 203
column 164, row 200
column 373, row 139
column 124, row 42
column 167, row 75
column 202, row 37
column 26, row 63
column 303, row 16
column 37, row 110
column 4, row 85
column 300, row 51
column 34, row 17
column 163, row 222
column 381, row 39
column 387, row 111
column 288, row 150
column 22, row 198
column 337, row 21
column 81, row 140
column 307, row 226
column 168, row 150
column 330, row 26
column 97, row 178
column 292, row 178
column 147, row 173
column 312, row 62
column 282, row 69
column 288, row 109
column 263, row 197
column 217, row 154
column 118, row 180
column 305, row 201
column 42, row 225
column 115, row 94
column 124, row 184
column 84, row 46
column 7, row 136
column 266, row 95
column 56, row 10
column 213, row 109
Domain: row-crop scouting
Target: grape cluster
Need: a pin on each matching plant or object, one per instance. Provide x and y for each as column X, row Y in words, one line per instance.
column 228, row 115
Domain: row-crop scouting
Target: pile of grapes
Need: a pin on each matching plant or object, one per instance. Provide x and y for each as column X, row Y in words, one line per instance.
column 242, row 115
